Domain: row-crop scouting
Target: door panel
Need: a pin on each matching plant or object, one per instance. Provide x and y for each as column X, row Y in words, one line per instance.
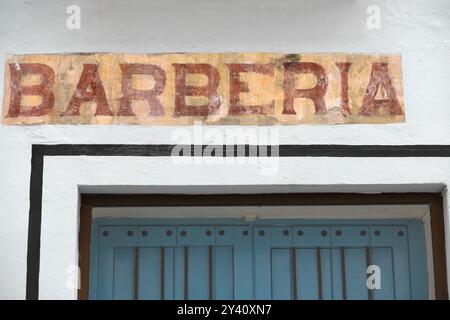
column 243, row 264
column 150, row 272
column 285, row 261
column 116, row 250
column 315, row 265
column 124, row 273
column 281, row 274
column 354, row 264
column 198, row 273
column 383, row 258
column 179, row 267
column 307, row 275
column 396, row 239
column 223, row 273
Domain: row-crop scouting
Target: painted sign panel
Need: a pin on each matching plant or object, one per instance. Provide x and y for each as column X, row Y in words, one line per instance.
column 216, row 88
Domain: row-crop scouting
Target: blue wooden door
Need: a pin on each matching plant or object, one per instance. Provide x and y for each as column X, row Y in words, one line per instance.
column 335, row 262
column 271, row 261
column 174, row 262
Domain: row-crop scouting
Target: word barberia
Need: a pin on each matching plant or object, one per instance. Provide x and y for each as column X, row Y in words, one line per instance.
column 220, row 88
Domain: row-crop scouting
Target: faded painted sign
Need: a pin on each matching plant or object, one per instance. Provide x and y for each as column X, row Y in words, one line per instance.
column 222, row 88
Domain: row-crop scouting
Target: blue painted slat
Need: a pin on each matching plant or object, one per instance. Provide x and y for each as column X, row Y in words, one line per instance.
column 223, row 273
column 396, row 238
column 307, row 275
column 150, row 273
column 124, row 274
column 351, row 256
column 338, row 276
column 281, row 262
column 198, row 273
column 281, row 274
column 355, row 273
column 169, row 270
column 313, row 276
column 401, row 263
column 110, row 238
column 243, row 263
column 327, row 278
column 156, row 252
column 418, row 260
column 382, row 257
column 105, row 264
column 179, row 274
column 223, row 263
column 262, row 274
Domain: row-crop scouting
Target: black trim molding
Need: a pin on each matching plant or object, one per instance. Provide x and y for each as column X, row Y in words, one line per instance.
column 164, row 150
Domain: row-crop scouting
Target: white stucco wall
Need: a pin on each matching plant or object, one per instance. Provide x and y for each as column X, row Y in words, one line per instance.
column 419, row 30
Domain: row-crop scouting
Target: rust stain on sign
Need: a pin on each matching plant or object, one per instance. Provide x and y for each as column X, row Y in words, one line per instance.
column 222, row 88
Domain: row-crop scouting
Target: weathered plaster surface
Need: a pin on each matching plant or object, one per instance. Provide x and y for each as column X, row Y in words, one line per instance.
column 216, row 88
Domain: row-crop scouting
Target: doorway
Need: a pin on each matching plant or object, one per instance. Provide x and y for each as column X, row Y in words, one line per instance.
column 181, row 260
column 232, row 258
